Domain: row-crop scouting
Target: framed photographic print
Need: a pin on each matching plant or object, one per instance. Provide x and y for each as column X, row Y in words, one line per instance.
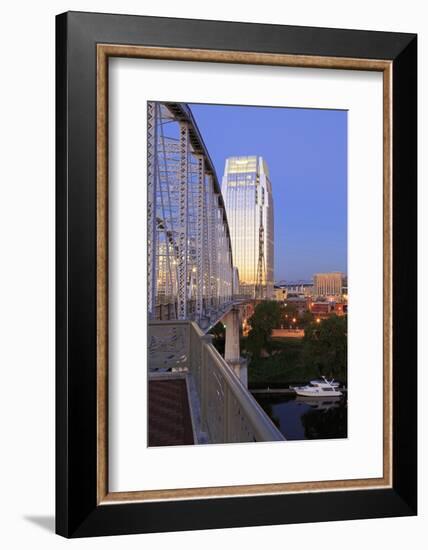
column 236, row 251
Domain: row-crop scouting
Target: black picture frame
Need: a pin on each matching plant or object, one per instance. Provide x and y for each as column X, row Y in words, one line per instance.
column 77, row 511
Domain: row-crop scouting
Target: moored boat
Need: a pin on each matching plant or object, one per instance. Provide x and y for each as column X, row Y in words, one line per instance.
column 318, row 388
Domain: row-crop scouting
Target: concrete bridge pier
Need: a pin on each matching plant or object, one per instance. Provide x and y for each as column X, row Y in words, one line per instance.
column 232, row 352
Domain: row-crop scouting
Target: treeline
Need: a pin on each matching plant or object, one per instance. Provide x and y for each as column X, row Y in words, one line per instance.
column 323, row 350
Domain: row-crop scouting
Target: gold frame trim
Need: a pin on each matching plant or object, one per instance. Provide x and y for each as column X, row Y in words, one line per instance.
column 104, row 51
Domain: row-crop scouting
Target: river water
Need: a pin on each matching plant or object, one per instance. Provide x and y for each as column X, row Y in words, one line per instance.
column 307, row 418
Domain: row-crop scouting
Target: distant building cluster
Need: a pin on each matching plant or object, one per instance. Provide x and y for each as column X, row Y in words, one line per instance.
column 282, row 290
column 326, row 295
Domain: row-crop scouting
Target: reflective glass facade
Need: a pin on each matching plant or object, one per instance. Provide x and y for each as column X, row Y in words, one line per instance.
column 247, row 194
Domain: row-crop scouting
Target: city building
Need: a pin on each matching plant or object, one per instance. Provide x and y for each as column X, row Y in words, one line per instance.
column 297, row 287
column 279, row 293
column 247, row 194
column 340, row 308
column 299, row 302
column 328, row 284
column 323, row 309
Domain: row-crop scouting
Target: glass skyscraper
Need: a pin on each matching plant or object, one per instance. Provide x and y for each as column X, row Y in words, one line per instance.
column 247, row 193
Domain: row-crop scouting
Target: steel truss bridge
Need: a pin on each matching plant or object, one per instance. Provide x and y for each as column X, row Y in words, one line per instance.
column 191, row 283
column 190, row 269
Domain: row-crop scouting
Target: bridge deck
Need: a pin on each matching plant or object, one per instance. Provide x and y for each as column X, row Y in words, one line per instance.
column 169, row 413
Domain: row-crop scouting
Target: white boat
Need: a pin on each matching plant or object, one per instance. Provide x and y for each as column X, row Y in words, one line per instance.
column 332, row 383
column 319, row 388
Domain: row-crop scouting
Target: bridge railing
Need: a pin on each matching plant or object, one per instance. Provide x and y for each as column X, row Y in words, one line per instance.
column 167, row 310
column 228, row 411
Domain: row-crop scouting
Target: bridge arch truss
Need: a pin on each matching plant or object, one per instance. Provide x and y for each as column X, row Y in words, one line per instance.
column 190, row 268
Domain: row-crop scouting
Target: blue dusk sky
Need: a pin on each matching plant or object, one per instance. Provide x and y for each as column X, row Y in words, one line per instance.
column 306, row 152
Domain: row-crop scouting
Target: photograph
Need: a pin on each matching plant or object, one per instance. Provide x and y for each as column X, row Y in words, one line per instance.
column 247, row 273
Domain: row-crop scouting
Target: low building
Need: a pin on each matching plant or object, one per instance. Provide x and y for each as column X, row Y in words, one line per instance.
column 279, row 293
column 340, row 308
column 298, row 287
column 299, row 302
column 324, row 308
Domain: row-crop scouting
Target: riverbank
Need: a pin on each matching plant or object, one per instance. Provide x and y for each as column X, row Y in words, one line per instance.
column 286, row 365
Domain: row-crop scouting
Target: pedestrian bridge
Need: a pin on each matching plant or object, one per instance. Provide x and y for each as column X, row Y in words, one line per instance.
column 214, row 406
column 192, row 284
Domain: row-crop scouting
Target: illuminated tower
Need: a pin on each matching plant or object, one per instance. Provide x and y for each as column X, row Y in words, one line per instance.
column 247, row 193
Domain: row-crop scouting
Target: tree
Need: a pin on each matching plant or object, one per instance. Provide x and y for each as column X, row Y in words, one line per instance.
column 292, row 316
column 288, row 312
column 306, row 319
column 256, row 342
column 266, row 316
column 325, row 346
